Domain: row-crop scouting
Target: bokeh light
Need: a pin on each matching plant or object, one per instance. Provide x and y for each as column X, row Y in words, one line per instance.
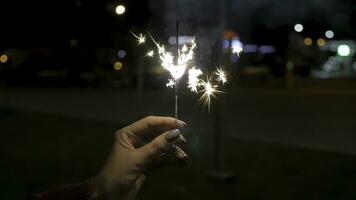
column 120, row 9
column 321, row 42
column 3, row 58
column 118, row 66
column 343, row 50
column 308, row 41
column 298, row 27
column 121, row 53
column 329, row 34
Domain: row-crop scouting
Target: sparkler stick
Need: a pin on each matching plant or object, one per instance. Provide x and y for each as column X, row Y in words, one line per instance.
column 177, row 80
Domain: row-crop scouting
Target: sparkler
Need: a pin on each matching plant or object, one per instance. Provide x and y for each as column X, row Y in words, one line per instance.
column 177, row 64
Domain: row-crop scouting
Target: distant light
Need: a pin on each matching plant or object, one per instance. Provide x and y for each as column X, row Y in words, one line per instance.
column 73, row 42
column 343, row 50
column 3, row 58
column 329, row 34
column 266, row 49
column 118, row 66
column 321, row 42
column 120, row 9
column 121, row 54
column 226, row 44
column 234, row 58
column 182, row 40
column 290, row 65
column 236, row 46
column 308, row 41
column 328, row 67
column 250, row 48
column 298, row 27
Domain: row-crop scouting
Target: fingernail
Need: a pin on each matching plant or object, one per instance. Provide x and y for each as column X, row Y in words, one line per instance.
column 181, row 123
column 183, row 139
column 184, row 155
column 173, row 135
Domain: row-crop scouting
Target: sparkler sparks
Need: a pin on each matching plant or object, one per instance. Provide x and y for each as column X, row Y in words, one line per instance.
column 150, row 53
column 179, row 63
column 171, row 83
column 209, row 91
column 221, row 75
column 184, row 58
column 140, row 38
column 193, row 79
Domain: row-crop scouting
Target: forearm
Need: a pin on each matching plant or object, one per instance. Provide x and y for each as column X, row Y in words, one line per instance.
column 90, row 189
column 85, row 190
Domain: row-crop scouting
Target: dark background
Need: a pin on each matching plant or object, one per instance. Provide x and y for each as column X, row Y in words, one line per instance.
column 284, row 128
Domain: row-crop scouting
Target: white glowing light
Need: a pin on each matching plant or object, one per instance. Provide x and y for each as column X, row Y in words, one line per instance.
column 150, row 53
column 298, row 28
column 221, row 75
column 329, row 34
column 120, row 9
column 171, row 83
column 343, row 50
column 140, row 38
column 209, row 91
column 184, row 48
column 193, row 79
column 177, row 65
column 236, row 46
column 185, row 56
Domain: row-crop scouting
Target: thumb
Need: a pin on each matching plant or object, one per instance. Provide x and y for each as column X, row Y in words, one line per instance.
column 160, row 144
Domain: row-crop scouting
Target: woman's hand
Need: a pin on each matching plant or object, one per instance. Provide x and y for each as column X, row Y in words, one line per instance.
column 139, row 148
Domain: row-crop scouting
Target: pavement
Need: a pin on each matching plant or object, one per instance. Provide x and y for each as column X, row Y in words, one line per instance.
column 311, row 117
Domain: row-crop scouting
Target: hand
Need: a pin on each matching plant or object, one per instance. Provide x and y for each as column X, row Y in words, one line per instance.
column 140, row 147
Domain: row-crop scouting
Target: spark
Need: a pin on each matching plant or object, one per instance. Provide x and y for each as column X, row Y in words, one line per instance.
column 180, row 63
column 193, row 79
column 184, row 48
column 221, row 75
column 171, row 83
column 140, row 38
column 209, row 91
column 183, row 59
column 150, row 53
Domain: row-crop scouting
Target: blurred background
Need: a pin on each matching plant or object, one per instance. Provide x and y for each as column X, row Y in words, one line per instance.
column 71, row 74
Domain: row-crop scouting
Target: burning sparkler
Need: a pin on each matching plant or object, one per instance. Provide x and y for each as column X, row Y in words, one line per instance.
column 181, row 62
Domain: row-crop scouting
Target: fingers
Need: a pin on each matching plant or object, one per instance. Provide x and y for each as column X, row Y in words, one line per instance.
column 162, row 144
column 175, row 157
column 151, row 126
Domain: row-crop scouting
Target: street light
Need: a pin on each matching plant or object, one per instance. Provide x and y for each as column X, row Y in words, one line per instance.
column 343, row 50
column 120, row 9
column 329, row 34
column 298, row 27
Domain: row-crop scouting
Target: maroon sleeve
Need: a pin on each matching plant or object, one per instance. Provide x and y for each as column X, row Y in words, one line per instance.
column 78, row 191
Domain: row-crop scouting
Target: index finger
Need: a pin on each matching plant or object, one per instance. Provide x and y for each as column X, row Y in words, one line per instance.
column 152, row 126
